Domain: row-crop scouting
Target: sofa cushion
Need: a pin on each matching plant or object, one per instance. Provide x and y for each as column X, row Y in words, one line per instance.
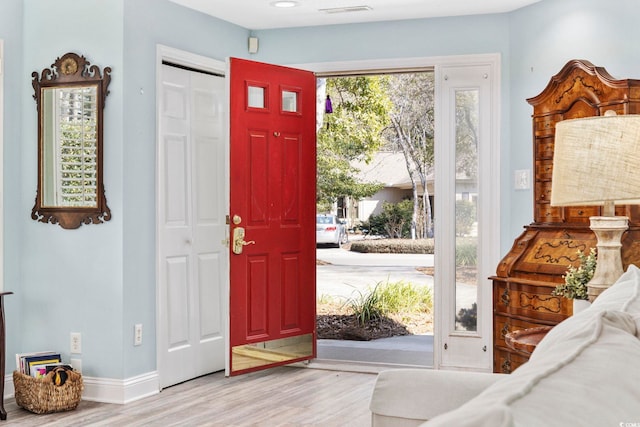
column 588, row 377
column 405, row 397
column 624, row 295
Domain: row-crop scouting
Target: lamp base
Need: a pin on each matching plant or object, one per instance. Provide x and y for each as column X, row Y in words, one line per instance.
column 608, row 231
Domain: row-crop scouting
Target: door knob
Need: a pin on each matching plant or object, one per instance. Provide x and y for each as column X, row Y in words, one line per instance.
column 238, row 240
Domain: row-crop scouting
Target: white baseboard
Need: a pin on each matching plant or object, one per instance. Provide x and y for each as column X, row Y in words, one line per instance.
column 107, row 390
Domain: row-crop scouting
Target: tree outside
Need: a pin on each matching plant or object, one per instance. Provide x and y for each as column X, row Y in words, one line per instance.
column 353, row 131
column 393, row 112
column 411, row 132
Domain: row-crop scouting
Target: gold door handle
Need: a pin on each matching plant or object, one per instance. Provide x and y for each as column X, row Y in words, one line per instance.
column 238, row 240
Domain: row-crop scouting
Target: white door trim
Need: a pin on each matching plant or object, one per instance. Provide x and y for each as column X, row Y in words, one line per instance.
column 188, row 59
column 198, row 62
column 490, row 204
column 489, row 218
column 374, row 65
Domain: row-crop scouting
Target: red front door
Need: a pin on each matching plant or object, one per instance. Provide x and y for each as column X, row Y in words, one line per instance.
column 272, row 212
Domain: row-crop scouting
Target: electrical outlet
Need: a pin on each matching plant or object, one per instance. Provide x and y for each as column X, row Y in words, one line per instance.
column 137, row 334
column 76, row 342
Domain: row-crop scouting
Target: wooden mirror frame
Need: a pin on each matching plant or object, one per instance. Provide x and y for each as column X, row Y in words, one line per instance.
column 71, row 70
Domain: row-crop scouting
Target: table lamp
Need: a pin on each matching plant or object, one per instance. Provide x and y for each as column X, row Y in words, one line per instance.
column 596, row 162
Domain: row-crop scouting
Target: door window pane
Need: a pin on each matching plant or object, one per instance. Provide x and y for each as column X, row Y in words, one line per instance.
column 289, row 101
column 256, row 97
column 467, row 112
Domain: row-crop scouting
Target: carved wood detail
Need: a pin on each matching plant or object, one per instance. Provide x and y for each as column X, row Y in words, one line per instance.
column 540, row 256
column 540, row 302
column 72, row 71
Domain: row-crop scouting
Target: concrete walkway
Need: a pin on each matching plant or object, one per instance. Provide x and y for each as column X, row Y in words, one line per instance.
column 402, row 350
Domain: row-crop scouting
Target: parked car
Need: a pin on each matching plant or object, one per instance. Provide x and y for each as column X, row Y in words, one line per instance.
column 330, row 230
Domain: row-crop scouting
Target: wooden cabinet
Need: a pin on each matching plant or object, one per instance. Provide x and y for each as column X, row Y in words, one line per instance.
column 540, row 256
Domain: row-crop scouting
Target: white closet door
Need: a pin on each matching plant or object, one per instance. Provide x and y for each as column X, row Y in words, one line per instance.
column 193, row 261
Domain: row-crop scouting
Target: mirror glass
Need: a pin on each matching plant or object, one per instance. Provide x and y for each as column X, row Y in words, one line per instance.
column 69, row 149
column 70, row 97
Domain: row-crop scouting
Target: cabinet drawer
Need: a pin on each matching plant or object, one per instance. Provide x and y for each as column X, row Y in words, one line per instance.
column 536, row 302
column 543, row 191
column 544, row 148
column 505, row 362
column 544, row 169
column 580, row 213
column 545, row 125
column 503, row 325
column 547, row 213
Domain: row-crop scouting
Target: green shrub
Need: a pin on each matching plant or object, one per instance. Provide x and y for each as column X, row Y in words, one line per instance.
column 466, row 249
column 402, row 297
column 394, row 221
column 390, row 297
column 393, row 246
column 466, row 252
column 465, row 216
column 366, row 306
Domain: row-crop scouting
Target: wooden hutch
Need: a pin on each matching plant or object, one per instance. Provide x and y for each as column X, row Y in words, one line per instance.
column 541, row 254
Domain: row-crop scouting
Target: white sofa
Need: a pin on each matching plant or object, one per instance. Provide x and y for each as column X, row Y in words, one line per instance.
column 585, row 372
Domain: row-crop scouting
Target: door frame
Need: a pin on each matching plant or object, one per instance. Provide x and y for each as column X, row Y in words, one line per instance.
column 203, row 63
column 491, row 248
column 490, row 206
column 488, row 249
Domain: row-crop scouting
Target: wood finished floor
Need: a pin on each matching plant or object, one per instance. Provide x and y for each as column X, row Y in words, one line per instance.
column 287, row 396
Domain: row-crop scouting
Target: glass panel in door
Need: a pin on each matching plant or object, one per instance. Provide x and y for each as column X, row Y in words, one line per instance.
column 466, row 248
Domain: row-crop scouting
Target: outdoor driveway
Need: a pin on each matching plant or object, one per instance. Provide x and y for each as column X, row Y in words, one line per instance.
column 349, row 272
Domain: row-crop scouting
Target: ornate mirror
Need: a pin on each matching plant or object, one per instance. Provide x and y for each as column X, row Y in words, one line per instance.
column 70, row 97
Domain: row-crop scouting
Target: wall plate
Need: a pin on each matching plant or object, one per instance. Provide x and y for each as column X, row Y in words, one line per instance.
column 522, row 179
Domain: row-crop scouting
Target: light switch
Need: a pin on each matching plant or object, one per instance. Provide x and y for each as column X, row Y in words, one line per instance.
column 521, row 179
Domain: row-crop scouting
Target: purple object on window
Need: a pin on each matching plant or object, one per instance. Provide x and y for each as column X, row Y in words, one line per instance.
column 328, row 108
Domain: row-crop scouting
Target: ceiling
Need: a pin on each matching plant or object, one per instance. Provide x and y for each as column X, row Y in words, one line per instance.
column 262, row 14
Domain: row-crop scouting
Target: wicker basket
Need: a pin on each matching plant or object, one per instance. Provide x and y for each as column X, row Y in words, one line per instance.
column 42, row 396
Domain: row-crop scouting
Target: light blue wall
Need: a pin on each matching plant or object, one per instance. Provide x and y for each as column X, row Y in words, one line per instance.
column 11, row 34
column 71, row 280
column 100, row 280
column 96, row 280
column 544, row 37
column 393, row 39
column 177, row 27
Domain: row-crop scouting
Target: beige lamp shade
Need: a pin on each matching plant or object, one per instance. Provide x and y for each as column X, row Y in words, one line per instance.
column 596, row 160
